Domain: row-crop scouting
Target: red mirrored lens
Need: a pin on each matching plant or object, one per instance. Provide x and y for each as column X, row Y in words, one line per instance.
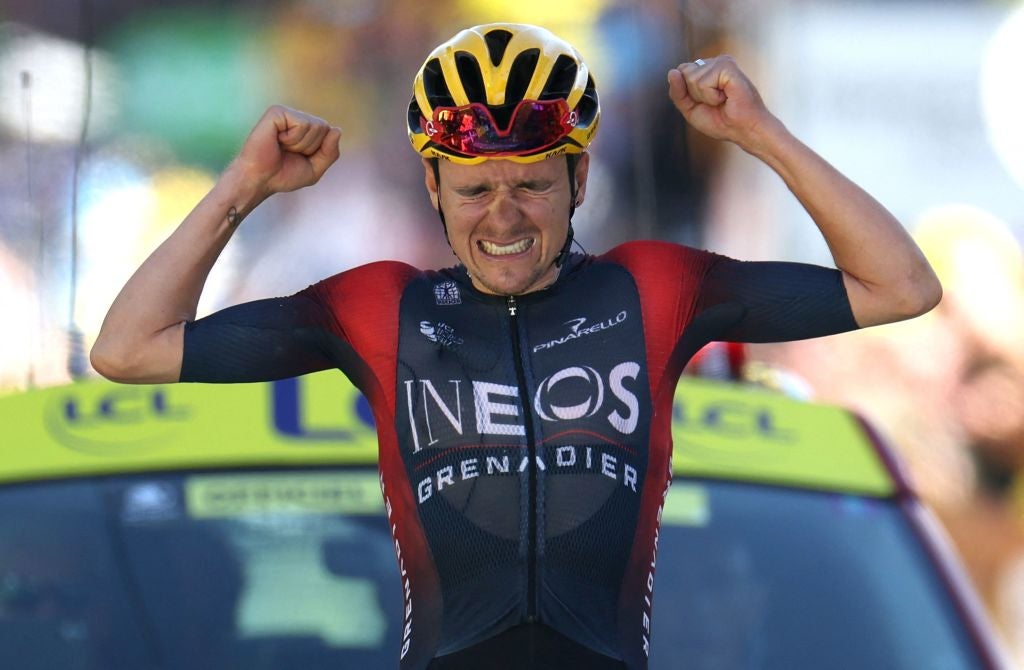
column 471, row 130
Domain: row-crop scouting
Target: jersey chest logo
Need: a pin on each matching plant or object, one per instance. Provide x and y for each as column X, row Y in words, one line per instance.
column 578, row 394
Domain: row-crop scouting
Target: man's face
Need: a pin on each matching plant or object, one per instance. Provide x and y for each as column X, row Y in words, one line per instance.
column 507, row 221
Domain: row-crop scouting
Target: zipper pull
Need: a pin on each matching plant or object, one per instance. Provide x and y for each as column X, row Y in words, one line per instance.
column 511, row 305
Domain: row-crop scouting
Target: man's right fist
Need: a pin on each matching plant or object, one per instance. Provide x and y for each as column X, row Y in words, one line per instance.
column 287, row 150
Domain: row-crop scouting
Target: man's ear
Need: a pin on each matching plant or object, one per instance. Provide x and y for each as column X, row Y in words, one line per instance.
column 582, row 170
column 430, row 181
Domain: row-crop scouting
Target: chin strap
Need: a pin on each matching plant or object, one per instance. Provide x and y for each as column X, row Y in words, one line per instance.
column 436, row 162
column 570, row 162
column 564, row 253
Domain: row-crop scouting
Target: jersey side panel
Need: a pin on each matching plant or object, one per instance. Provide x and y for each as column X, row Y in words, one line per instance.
column 365, row 304
column 668, row 279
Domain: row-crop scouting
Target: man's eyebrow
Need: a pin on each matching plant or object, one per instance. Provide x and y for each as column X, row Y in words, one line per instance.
column 472, row 188
column 475, row 187
column 535, row 184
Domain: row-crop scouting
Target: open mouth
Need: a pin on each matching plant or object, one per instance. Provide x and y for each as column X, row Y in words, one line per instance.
column 517, row 247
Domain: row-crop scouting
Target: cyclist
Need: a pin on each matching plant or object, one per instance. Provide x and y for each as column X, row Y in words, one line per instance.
column 522, row 397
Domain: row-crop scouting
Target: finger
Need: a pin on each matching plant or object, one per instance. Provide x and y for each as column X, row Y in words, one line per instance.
column 702, row 81
column 289, row 123
column 309, row 143
column 298, row 134
column 295, row 129
column 678, row 93
column 327, row 152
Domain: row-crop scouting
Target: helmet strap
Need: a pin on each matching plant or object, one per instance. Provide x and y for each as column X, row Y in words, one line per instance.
column 436, row 163
column 570, row 162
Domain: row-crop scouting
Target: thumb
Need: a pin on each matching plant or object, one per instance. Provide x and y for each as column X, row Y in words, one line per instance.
column 678, row 93
column 327, row 153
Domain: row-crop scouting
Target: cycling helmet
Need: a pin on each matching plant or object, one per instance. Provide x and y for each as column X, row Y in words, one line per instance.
column 503, row 90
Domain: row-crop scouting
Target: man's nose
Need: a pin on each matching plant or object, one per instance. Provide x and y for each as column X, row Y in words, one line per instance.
column 505, row 208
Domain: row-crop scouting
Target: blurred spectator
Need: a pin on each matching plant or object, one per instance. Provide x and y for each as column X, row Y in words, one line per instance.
column 33, row 351
column 948, row 390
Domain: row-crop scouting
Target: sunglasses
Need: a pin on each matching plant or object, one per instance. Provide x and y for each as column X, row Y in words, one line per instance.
column 472, row 131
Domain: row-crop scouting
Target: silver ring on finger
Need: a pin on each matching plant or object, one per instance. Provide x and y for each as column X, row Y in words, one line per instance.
column 699, row 62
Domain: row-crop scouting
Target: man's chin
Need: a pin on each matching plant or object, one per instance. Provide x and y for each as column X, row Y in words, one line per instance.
column 503, row 283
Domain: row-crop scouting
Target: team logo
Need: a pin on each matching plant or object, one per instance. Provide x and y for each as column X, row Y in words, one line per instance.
column 578, row 328
column 577, row 393
column 548, row 411
column 440, row 333
column 447, row 293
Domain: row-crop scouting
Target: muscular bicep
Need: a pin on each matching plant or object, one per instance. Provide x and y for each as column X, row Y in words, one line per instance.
column 262, row 340
column 772, row 302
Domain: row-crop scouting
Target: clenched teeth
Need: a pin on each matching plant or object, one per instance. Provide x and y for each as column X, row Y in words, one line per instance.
column 506, row 249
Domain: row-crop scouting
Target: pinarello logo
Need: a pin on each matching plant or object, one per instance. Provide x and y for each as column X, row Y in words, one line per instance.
column 578, row 328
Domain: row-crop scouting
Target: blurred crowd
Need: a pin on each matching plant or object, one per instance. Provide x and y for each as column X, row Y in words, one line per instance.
column 948, row 391
column 116, row 118
column 153, row 102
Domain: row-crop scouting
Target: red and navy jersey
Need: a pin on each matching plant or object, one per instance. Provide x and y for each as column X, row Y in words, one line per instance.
column 524, row 441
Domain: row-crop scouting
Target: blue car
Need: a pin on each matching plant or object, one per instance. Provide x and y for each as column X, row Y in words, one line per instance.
column 189, row 527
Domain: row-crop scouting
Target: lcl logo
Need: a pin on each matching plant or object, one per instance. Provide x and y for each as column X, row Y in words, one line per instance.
column 122, row 405
column 352, row 422
column 731, row 419
column 120, row 417
column 114, row 419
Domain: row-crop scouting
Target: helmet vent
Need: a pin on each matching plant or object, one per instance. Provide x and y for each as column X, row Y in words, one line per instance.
column 520, row 75
column 561, row 79
column 497, row 41
column 434, row 85
column 588, row 106
column 470, row 76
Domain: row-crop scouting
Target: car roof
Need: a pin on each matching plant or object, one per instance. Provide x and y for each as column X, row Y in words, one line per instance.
column 94, row 427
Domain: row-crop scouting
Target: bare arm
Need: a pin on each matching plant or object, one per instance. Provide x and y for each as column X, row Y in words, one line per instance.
column 886, row 275
column 141, row 339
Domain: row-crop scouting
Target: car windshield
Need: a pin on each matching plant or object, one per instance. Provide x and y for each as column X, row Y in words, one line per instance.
column 289, row 569
column 755, row 577
column 219, row 570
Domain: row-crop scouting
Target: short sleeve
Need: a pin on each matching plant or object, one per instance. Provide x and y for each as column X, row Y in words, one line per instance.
column 768, row 301
column 262, row 340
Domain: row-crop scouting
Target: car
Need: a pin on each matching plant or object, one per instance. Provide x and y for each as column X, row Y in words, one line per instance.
column 242, row 526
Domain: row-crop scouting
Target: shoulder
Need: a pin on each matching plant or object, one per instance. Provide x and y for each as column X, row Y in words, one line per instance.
column 376, row 281
column 386, row 272
column 651, row 258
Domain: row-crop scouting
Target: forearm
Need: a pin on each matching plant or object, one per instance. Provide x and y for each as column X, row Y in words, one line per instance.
column 141, row 337
column 886, row 275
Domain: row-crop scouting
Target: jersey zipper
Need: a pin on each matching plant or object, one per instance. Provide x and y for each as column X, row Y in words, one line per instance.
column 531, row 570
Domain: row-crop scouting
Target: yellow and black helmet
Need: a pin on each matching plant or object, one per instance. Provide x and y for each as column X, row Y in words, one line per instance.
column 503, row 90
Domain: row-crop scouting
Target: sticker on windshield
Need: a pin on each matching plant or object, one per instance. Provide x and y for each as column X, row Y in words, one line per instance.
column 686, row 505
column 150, row 501
column 226, row 496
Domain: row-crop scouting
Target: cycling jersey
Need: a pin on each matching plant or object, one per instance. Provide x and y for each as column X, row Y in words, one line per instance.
column 524, row 440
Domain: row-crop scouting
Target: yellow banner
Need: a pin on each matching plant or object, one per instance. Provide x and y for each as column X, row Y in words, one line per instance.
column 751, row 434
column 94, row 427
